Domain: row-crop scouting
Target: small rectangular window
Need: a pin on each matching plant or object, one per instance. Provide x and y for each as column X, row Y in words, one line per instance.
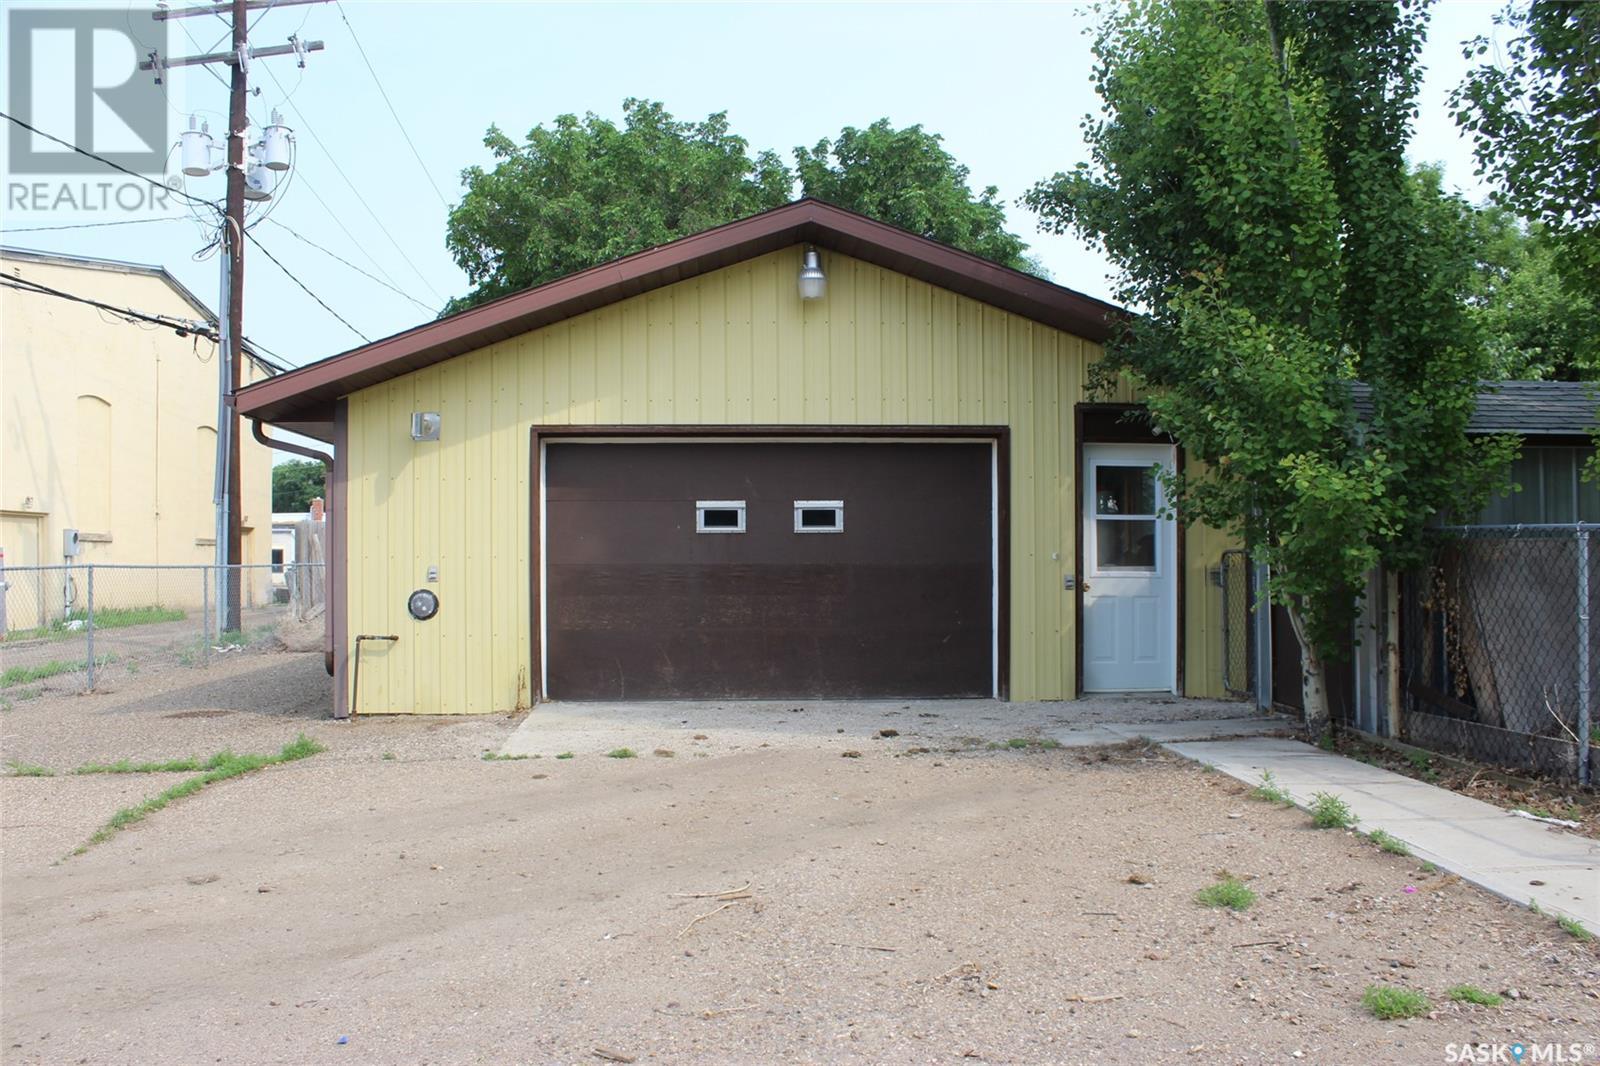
column 277, row 560
column 819, row 516
column 719, row 516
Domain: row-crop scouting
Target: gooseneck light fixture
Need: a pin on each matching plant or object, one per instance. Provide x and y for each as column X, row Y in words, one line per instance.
column 813, row 283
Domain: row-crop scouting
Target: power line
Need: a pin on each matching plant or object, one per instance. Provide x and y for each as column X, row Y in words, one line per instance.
column 176, row 324
column 352, row 266
column 345, row 229
column 201, row 328
column 355, row 191
column 384, row 93
column 257, row 242
column 94, row 225
column 102, row 159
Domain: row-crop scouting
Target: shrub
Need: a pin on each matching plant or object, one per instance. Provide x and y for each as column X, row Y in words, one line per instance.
column 1330, row 812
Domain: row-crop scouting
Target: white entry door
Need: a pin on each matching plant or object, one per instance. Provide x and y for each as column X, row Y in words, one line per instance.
column 1130, row 621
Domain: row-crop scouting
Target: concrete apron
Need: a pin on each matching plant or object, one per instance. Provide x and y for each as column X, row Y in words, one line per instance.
column 708, row 727
column 1477, row 841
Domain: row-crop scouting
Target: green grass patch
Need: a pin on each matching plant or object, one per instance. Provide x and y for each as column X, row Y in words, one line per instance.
column 1230, row 892
column 490, row 756
column 1389, row 1002
column 1574, row 928
column 166, row 766
column 1474, row 994
column 219, row 767
column 565, row 755
column 1430, row 868
column 1330, row 812
column 104, row 618
column 1269, row 791
column 22, row 675
column 1388, row 842
column 27, row 769
column 622, row 753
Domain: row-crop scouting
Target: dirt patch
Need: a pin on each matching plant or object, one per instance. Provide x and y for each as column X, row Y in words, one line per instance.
column 774, row 905
column 1551, row 799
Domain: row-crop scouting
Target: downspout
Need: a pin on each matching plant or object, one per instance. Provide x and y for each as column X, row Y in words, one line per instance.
column 327, row 494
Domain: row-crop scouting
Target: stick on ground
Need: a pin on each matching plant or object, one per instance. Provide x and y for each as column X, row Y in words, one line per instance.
column 702, row 917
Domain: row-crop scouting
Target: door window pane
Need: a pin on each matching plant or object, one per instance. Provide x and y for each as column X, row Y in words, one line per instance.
column 1125, row 545
column 1125, row 490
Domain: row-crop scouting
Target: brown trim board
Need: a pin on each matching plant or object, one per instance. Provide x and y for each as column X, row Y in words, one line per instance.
column 299, row 392
column 538, row 436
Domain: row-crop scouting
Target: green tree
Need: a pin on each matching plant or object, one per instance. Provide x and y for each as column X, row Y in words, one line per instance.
column 1534, row 324
column 1534, row 114
column 907, row 179
column 294, row 483
column 584, row 192
column 1249, row 182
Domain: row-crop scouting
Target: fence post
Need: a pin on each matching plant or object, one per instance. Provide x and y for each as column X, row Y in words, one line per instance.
column 1583, row 656
column 89, row 624
column 205, row 611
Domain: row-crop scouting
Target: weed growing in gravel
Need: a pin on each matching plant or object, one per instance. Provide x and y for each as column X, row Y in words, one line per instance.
column 170, row 766
column 565, row 755
column 1386, row 842
column 622, row 753
column 1208, row 768
column 1270, row 791
column 1330, row 812
column 1429, row 868
column 1230, row 892
column 23, row 769
column 1474, row 994
column 492, row 756
column 1389, row 1003
column 1025, row 743
column 219, row 767
column 1574, row 928
column 388, row 756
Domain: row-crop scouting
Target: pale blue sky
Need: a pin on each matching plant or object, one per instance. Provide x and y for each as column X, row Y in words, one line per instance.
column 1006, row 84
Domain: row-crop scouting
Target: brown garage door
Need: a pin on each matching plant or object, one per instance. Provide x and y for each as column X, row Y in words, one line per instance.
column 641, row 604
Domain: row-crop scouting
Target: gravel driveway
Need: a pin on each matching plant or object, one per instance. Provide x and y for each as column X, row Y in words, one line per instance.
column 931, row 907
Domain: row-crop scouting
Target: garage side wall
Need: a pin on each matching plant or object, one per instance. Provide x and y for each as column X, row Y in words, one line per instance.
column 732, row 347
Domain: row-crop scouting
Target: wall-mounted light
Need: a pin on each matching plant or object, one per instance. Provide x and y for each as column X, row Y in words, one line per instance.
column 813, row 283
column 425, row 425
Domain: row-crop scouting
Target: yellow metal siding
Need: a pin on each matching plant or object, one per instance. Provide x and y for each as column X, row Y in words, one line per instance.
column 735, row 347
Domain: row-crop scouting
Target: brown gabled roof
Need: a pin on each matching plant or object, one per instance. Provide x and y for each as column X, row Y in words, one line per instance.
column 300, row 393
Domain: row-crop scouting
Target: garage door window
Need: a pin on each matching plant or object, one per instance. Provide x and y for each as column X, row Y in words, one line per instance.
column 819, row 516
column 719, row 516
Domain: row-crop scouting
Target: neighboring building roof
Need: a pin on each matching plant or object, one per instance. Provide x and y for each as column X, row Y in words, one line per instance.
column 1531, row 408
column 87, row 262
column 310, row 388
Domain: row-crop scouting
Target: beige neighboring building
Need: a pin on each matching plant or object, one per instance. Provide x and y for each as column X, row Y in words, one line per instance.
column 109, row 427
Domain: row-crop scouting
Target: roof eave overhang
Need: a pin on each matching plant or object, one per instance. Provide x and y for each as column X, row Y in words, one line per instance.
column 288, row 396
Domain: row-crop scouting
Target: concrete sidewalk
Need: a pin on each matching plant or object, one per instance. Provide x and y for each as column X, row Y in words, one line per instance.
column 1513, row 857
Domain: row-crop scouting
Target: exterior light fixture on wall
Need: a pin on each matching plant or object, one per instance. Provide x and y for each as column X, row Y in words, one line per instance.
column 425, row 425
column 813, row 283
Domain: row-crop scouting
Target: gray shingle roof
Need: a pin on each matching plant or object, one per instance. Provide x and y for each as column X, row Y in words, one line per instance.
column 1531, row 408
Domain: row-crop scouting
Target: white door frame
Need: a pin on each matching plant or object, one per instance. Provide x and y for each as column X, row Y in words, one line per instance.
column 1167, row 533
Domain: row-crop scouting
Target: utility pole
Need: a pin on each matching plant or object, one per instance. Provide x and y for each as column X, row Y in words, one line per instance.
column 233, row 248
column 230, row 311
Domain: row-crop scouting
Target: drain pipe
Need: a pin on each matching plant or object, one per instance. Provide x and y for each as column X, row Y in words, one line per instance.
column 355, row 696
column 327, row 495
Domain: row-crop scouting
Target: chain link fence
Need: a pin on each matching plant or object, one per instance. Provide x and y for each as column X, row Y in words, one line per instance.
column 1498, row 650
column 1238, row 632
column 70, row 628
